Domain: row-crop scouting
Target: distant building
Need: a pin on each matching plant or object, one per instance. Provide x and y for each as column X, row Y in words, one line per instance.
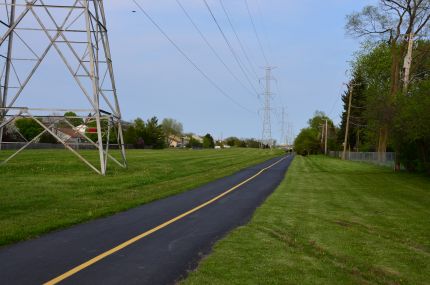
column 198, row 138
column 70, row 135
column 175, row 141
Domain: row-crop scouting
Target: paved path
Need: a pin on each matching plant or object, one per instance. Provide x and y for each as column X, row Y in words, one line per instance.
column 104, row 251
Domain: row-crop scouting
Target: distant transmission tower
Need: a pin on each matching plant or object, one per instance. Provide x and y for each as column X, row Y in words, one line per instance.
column 266, row 139
column 284, row 139
column 76, row 31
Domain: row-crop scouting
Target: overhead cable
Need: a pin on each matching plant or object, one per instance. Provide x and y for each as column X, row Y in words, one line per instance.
column 212, row 48
column 210, row 80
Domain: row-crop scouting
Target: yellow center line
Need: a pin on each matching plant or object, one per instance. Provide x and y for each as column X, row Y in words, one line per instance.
column 147, row 233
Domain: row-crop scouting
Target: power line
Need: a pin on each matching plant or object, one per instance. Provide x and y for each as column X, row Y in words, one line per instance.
column 255, row 32
column 229, row 46
column 211, row 47
column 335, row 101
column 238, row 39
column 260, row 13
column 189, row 59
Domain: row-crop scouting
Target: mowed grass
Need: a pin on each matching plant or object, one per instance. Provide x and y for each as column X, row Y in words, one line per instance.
column 330, row 222
column 45, row 190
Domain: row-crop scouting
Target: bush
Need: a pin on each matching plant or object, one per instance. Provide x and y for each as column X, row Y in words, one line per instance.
column 307, row 142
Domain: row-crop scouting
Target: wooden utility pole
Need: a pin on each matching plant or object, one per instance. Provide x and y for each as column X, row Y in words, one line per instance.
column 326, row 136
column 345, row 142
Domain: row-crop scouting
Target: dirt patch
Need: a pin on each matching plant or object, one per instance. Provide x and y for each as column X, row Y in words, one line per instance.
column 344, row 223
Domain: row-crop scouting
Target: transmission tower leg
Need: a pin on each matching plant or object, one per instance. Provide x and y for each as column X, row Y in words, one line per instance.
column 106, row 47
column 4, row 92
column 95, row 85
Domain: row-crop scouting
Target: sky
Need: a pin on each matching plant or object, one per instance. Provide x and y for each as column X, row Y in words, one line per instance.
column 305, row 40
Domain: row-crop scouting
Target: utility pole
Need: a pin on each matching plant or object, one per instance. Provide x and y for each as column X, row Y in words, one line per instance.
column 266, row 138
column 326, row 135
column 290, row 138
column 345, row 142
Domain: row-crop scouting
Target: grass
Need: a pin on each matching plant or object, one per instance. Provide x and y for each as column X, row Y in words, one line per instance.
column 330, row 222
column 41, row 191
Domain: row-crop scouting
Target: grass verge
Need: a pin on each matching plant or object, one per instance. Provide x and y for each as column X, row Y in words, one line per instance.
column 45, row 190
column 330, row 222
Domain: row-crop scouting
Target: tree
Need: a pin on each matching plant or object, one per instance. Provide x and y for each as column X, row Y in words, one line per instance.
column 405, row 117
column 71, row 117
column 317, row 123
column 252, row 143
column 171, row 128
column 145, row 134
column 208, row 141
column 309, row 139
column 130, row 135
column 153, row 134
column 307, row 142
column 48, row 138
column 395, row 22
column 29, row 128
column 194, row 143
column 412, row 128
column 357, row 134
column 232, row 141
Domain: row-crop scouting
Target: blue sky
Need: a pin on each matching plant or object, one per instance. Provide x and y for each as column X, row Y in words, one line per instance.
column 304, row 39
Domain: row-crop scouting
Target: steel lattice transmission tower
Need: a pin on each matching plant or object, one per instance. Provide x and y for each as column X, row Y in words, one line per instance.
column 30, row 30
column 266, row 138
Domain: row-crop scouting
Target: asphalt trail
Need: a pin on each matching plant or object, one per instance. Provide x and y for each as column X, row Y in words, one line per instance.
column 163, row 257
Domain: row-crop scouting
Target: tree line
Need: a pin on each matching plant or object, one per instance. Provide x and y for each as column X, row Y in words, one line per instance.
column 138, row 133
column 389, row 86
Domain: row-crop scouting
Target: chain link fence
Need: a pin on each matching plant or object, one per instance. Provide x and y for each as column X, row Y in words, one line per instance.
column 76, row 146
column 387, row 159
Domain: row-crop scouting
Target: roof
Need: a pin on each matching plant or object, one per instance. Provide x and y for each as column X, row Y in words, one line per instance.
column 71, row 132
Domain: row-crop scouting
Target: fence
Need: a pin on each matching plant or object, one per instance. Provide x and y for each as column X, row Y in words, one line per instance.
column 76, row 146
column 388, row 159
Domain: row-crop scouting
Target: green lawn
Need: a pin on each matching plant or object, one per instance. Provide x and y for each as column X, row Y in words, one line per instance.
column 45, row 190
column 330, row 222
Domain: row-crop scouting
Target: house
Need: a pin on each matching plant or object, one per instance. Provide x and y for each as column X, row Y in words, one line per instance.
column 70, row 135
column 197, row 138
column 175, row 141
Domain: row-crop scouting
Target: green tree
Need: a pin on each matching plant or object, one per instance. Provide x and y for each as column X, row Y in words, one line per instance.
column 28, row 127
column 71, row 117
column 194, row 143
column 252, row 143
column 411, row 131
column 307, row 142
column 232, row 141
column 130, row 135
column 171, row 127
column 208, row 141
column 153, row 134
column 47, row 138
column 376, row 111
column 357, row 134
column 309, row 139
column 389, row 22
